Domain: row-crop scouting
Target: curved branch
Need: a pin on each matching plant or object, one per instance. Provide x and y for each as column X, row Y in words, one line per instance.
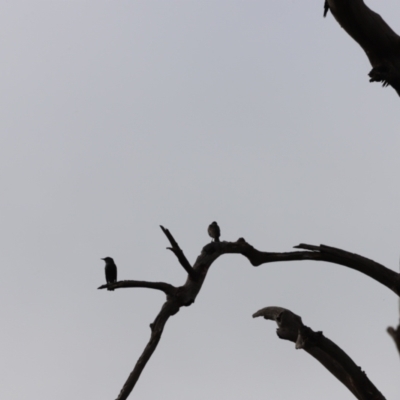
column 385, row 276
column 332, row 357
column 164, row 287
column 380, row 43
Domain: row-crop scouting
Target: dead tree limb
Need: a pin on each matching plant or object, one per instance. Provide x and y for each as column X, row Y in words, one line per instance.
column 170, row 307
column 164, row 287
column 177, row 297
column 185, row 295
column 385, row 276
column 332, row 357
column 380, row 43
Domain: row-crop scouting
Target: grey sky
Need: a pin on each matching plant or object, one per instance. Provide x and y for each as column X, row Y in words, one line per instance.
column 119, row 116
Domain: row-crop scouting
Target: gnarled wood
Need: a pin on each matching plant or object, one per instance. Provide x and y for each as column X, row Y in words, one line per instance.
column 331, row 356
column 179, row 253
column 177, row 297
column 185, row 295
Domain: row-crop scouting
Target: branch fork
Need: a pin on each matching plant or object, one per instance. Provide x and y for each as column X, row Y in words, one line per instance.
column 290, row 326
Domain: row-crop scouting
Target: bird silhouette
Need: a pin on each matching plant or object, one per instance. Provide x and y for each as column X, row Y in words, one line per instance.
column 111, row 270
column 214, row 231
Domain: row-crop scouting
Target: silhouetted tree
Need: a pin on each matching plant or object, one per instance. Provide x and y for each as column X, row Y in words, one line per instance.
column 382, row 46
column 290, row 326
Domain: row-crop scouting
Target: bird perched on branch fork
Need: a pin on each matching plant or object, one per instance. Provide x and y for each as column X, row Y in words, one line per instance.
column 111, row 270
column 214, row 231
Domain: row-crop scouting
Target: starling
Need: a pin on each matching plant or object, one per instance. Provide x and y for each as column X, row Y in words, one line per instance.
column 111, row 270
column 214, row 232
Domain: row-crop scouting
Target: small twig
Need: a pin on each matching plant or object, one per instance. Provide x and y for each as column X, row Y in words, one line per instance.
column 179, row 253
column 395, row 332
column 326, row 8
column 395, row 335
column 331, row 356
column 169, row 308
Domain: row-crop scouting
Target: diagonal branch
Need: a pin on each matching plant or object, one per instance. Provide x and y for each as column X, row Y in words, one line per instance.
column 179, row 253
column 332, row 357
column 169, row 308
column 380, row 43
column 164, row 287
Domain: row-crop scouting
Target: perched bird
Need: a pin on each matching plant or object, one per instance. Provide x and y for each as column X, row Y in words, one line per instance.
column 214, row 231
column 111, row 270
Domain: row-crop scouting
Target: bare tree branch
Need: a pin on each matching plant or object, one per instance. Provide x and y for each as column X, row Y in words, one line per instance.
column 179, row 253
column 164, row 287
column 185, row 295
column 380, row 43
column 385, row 276
column 332, row 357
column 169, row 308
column 182, row 296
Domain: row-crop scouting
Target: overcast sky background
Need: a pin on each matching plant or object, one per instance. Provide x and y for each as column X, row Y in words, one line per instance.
column 119, row 116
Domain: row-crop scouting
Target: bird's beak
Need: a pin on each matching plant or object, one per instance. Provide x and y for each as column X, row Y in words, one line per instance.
column 101, row 258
